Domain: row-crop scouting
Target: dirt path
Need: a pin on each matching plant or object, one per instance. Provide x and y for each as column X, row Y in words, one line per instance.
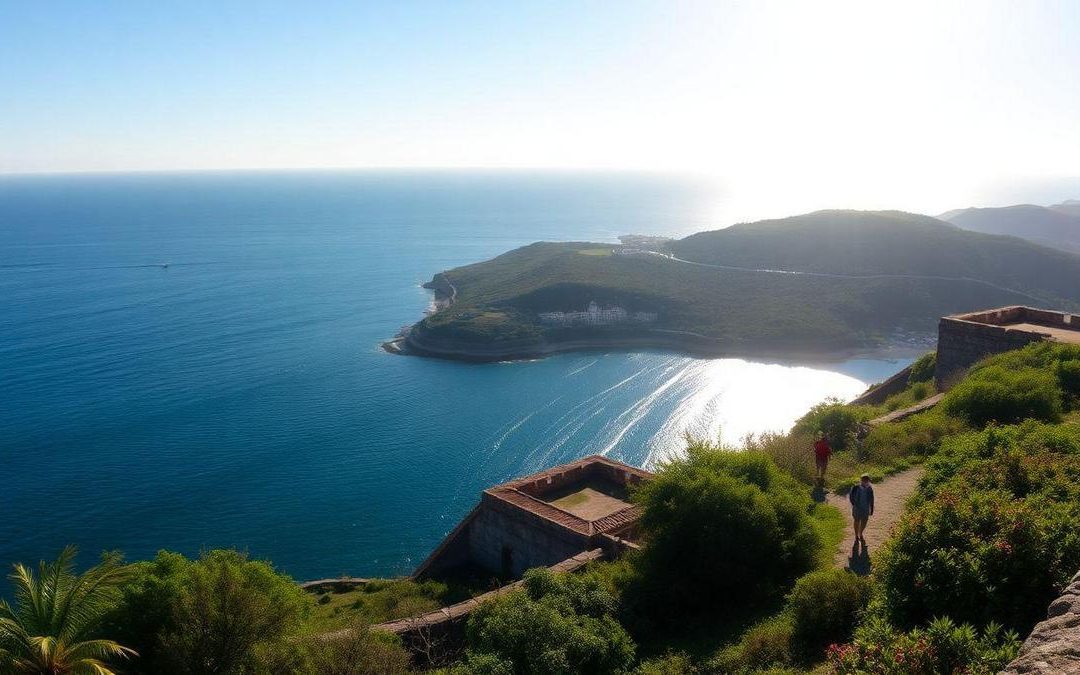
column 889, row 498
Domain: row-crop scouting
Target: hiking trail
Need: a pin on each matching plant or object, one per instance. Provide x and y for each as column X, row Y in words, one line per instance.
column 890, row 495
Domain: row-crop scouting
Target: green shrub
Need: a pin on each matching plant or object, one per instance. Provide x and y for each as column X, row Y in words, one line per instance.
column 556, row 623
column 994, row 532
column 721, row 524
column 765, row 645
column 356, row 651
column 918, row 436
column 922, row 370
column 220, row 613
column 825, row 606
column 996, row 393
column 837, row 420
column 792, row 452
column 1068, row 374
column 672, row 663
column 942, row 647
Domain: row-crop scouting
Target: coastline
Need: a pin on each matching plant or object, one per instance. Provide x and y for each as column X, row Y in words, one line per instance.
column 410, row 342
column 696, row 346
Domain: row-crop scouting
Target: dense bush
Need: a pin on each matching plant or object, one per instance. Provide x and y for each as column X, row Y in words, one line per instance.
column 997, row 393
column 942, row 647
column 221, row 613
column 922, row 370
column 917, row 436
column 767, row 644
column 557, row 623
column 1068, row 374
column 790, row 452
column 824, row 607
column 358, row 651
column 721, row 524
column 672, row 663
column 994, row 533
column 838, row 421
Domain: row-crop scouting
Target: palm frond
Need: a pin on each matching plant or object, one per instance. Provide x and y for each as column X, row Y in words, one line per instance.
column 98, row 649
column 54, row 609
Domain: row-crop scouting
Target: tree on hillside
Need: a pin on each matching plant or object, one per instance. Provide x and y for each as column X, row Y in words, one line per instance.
column 222, row 613
column 721, row 526
column 54, row 626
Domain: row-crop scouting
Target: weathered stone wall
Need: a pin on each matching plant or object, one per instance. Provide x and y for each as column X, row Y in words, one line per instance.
column 964, row 339
column 961, row 343
column 436, row 638
column 1054, row 644
column 878, row 393
column 452, row 552
column 529, row 541
column 554, row 479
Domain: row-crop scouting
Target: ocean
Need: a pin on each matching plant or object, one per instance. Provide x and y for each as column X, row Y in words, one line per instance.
column 192, row 360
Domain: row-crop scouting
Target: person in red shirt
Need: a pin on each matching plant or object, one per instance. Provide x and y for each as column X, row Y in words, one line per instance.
column 822, row 451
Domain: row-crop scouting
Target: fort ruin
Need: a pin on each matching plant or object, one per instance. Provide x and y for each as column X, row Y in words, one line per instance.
column 543, row 519
column 964, row 339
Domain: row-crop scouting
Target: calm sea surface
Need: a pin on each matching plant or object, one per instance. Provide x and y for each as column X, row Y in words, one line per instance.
column 238, row 396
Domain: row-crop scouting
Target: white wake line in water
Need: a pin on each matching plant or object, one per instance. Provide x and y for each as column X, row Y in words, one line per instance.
column 585, row 367
column 575, row 422
column 641, row 408
column 696, row 409
column 573, row 432
column 610, row 389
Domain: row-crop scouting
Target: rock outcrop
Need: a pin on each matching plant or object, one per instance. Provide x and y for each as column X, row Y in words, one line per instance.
column 1054, row 644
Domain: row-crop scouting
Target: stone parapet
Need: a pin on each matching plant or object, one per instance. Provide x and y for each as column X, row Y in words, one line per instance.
column 964, row 339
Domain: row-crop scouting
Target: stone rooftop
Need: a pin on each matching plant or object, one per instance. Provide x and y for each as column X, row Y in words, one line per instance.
column 1050, row 325
column 964, row 339
column 542, row 519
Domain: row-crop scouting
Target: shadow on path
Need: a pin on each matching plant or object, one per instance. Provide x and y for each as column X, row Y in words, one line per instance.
column 859, row 560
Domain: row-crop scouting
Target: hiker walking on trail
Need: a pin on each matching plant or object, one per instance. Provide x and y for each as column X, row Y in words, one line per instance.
column 862, row 505
column 822, row 451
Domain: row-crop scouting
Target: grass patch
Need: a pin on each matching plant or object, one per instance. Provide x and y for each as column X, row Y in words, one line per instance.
column 595, row 251
column 380, row 600
column 830, row 526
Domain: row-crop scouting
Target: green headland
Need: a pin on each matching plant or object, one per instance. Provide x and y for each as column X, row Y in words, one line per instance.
column 829, row 283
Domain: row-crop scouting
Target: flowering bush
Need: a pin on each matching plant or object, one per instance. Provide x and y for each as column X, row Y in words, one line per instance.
column 994, row 533
column 942, row 647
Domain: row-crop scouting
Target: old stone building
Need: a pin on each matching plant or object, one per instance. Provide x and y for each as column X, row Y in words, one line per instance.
column 964, row 339
column 543, row 519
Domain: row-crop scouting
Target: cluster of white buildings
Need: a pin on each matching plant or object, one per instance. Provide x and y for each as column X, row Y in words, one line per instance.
column 595, row 315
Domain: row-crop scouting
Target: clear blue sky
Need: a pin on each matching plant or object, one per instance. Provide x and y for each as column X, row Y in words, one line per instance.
column 854, row 92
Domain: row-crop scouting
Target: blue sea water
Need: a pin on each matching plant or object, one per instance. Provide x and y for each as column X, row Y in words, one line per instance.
column 191, row 361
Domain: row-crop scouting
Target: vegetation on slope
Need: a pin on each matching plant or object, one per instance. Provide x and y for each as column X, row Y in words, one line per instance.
column 988, row 541
column 1057, row 226
column 886, row 242
column 734, row 575
column 919, row 269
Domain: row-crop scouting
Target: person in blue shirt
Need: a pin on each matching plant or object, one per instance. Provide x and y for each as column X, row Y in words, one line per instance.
column 862, row 505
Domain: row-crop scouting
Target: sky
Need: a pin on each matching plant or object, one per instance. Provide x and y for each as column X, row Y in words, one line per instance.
column 877, row 101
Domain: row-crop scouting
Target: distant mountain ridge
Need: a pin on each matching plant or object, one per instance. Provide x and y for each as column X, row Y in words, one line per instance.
column 1057, row 226
column 819, row 283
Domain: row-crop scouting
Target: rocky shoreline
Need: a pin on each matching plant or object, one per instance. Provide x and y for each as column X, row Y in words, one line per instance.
column 692, row 345
column 411, row 342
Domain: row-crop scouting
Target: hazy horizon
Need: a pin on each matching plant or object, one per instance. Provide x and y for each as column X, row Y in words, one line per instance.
column 860, row 104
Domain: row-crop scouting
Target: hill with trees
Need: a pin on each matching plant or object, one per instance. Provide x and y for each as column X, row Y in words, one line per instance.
column 820, row 283
column 1057, row 226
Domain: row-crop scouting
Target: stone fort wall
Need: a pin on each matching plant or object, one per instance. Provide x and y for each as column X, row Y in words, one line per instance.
column 967, row 338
